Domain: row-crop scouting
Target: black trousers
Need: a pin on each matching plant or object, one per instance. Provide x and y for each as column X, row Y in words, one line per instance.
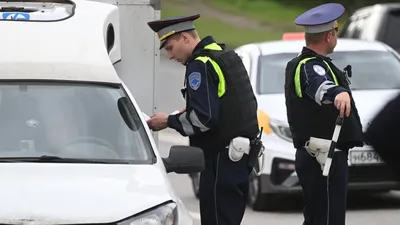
column 315, row 190
column 223, row 189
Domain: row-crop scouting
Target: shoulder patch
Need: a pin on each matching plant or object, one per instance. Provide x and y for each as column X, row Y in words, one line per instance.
column 319, row 70
column 194, row 80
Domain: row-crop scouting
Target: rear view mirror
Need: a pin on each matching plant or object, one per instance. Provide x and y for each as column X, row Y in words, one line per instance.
column 128, row 113
column 184, row 159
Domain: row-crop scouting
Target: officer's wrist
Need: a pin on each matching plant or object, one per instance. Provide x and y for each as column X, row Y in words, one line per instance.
column 337, row 90
column 169, row 120
column 172, row 121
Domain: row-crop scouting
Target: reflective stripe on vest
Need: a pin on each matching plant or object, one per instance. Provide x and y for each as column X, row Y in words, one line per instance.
column 297, row 85
column 204, row 59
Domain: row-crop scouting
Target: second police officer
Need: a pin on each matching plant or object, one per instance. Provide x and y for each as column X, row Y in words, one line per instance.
column 220, row 106
column 316, row 93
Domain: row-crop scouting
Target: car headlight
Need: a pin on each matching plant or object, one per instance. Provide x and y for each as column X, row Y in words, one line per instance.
column 281, row 129
column 163, row 215
column 263, row 121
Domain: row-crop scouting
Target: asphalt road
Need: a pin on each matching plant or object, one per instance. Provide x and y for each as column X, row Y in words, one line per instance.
column 367, row 210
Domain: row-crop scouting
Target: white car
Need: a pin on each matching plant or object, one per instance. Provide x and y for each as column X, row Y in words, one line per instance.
column 75, row 153
column 74, row 145
column 375, row 80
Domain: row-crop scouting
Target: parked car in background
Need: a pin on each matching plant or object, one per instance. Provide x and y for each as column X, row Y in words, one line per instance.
column 375, row 80
column 378, row 22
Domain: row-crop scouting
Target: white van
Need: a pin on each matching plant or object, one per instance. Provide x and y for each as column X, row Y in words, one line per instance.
column 74, row 145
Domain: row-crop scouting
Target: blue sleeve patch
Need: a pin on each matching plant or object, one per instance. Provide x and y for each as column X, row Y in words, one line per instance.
column 195, row 80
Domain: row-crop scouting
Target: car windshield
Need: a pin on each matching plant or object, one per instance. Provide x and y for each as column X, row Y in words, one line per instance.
column 370, row 70
column 81, row 121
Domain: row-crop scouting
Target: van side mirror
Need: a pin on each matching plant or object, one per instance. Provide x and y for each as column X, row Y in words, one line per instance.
column 184, row 159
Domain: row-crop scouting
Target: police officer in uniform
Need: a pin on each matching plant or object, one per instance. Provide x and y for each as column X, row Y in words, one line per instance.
column 383, row 134
column 220, row 106
column 317, row 92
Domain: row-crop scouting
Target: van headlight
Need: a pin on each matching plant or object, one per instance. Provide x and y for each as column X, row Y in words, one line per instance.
column 281, row 129
column 163, row 215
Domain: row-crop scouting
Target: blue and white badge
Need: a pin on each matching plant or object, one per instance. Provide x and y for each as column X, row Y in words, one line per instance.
column 195, row 80
column 319, row 70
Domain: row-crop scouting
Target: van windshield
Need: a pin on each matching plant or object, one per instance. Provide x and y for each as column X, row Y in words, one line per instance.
column 370, row 70
column 70, row 120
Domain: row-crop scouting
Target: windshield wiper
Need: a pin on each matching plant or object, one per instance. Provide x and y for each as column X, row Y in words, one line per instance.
column 52, row 159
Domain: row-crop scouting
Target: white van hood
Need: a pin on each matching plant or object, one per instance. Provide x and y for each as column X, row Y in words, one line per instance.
column 78, row 193
column 368, row 102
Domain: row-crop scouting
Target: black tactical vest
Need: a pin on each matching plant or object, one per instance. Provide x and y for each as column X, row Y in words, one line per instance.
column 238, row 106
column 308, row 119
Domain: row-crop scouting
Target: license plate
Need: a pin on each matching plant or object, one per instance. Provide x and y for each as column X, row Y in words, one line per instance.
column 363, row 157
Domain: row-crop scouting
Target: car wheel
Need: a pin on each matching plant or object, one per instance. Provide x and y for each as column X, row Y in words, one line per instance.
column 259, row 201
column 195, row 183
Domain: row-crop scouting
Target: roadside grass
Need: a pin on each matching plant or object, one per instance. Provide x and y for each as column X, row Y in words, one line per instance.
column 279, row 14
column 221, row 31
column 268, row 13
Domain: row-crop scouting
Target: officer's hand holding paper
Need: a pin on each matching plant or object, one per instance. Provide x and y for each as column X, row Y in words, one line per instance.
column 178, row 111
column 158, row 121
